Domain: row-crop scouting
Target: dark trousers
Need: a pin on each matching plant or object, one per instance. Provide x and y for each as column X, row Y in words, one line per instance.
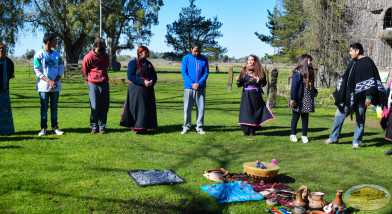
column 99, row 103
column 305, row 122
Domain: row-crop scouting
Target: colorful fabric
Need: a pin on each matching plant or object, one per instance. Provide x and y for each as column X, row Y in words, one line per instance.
column 283, row 198
column 153, row 177
column 231, row 192
column 6, row 121
column 49, row 65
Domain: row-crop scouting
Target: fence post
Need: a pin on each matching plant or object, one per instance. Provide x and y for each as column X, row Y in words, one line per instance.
column 272, row 87
column 230, row 82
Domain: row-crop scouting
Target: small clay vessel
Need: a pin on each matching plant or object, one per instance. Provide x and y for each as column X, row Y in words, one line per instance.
column 299, row 202
column 316, row 201
column 299, row 210
column 271, row 202
column 338, row 202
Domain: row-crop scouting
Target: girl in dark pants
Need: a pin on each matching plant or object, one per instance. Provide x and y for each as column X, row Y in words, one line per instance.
column 303, row 93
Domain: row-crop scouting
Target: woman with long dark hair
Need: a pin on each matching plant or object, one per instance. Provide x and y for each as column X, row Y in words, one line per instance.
column 302, row 96
column 253, row 110
column 139, row 112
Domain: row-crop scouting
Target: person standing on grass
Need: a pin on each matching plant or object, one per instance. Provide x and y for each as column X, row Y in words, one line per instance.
column 95, row 67
column 359, row 87
column 49, row 67
column 6, row 73
column 194, row 71
column 253, row 110
column 140, row 112
column 386, row 120
column 302, row 96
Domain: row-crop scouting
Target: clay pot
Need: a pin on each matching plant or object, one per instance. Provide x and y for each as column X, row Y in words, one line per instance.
column 316, row 201
column 338, row 202
column 299, row 210
column 271, row 202
column 299, row 202
column 317, row 212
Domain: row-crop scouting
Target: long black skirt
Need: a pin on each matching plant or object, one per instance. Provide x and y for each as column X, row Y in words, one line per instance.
column 388, row 131
column 253, row 110
column 139, row 110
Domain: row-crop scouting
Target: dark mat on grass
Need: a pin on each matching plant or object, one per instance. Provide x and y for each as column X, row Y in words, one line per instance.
column 154, row 177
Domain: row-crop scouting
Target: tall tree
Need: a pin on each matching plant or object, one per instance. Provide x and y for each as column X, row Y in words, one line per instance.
column 73, row 21
column 286, row 27
column 191, row 26
column 129, row 20
column 11, row 21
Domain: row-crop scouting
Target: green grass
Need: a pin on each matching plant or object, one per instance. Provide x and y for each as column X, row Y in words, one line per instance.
column 84, row 173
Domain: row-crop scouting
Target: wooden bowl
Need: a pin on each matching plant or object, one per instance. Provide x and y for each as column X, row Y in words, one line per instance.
column 265, row 174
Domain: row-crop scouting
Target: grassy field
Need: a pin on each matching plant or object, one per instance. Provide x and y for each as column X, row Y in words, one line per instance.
column 85, row 173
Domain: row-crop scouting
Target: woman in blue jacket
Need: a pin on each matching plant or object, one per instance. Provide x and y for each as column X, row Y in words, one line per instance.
column 303, row 93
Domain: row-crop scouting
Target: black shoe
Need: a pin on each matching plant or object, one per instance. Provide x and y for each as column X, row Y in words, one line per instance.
column 252, row 133
column 388, row 152
column 244, row 133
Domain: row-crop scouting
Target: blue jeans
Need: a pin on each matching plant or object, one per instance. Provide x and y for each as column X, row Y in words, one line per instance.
column 191, row 96
column 99, row 103
column 54, row 99
column 360, row 116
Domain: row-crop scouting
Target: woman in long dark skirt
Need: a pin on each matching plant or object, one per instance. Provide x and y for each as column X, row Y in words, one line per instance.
column 139, row 112
column 253, row 110
column 6, row 73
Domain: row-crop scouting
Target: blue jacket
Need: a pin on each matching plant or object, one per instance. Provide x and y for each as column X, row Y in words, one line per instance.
column 297, row 87
column 194, row 70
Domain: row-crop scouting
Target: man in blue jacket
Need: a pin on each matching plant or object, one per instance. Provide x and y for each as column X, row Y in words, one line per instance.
column 194, row 71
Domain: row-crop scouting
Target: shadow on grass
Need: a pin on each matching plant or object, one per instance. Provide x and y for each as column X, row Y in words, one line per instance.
column 88, row 130
column 15, row 137
column 283, row 178
column 178, row 128
column 10, row 147
column 145, row 205
column 285, row 131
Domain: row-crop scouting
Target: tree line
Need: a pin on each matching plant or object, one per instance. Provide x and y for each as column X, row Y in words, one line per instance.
column 316, row 27
column 125, row 23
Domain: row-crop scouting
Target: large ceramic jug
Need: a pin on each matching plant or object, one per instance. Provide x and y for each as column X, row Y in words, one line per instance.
column 299, row 202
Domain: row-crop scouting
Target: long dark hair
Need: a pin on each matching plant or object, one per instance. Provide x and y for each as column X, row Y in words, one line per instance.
column 258, row 69
column 303, row 67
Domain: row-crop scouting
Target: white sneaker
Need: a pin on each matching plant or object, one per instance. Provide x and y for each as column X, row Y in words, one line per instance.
column 42, row 132
column 293, row 138
column 57, row 131
column 201, row 131
column 305, row 139
column 355, row 146
column 184, row 131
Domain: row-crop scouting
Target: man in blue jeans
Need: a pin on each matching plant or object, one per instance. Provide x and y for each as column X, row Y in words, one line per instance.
column 49, row 67
column 359, row 87
column 95, row 67
column 194, row 71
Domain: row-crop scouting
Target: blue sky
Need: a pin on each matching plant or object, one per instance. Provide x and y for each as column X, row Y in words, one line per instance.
column 240, row 20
